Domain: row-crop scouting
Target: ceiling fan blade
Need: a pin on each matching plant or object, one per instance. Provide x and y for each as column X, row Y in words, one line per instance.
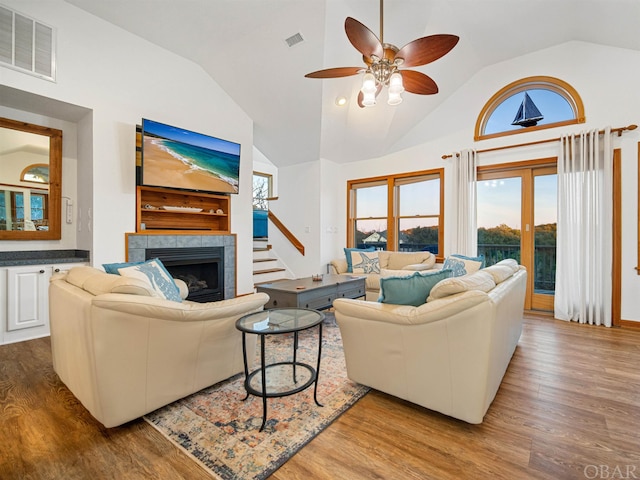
column 418, row 82
column 335, row 72
column 363, row 39
column 426, row 49
column 361, row 96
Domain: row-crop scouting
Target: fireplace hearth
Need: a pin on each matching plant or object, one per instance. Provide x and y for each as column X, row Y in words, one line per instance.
column 201, row 268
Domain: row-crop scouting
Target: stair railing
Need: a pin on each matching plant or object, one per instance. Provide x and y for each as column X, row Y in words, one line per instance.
column 286, row 232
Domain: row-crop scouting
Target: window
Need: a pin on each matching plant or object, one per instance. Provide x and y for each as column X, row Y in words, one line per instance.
column 23, row 218
column 262, row 190
column 532, row 103
column 402, row 212
column 37, row 173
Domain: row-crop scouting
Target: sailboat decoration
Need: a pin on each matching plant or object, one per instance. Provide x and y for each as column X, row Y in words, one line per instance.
column 528, row 114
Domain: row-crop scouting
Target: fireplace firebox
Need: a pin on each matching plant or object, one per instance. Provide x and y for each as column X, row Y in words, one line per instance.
column 201, row 268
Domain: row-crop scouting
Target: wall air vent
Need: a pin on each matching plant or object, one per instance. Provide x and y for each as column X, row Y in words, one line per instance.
column 294, row 39
column 26, row 44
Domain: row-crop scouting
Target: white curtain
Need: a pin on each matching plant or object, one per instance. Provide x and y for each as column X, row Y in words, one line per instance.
column 464, row 186
column 585, row 230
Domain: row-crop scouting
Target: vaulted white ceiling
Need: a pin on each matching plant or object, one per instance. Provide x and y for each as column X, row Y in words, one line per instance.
column 241, row 44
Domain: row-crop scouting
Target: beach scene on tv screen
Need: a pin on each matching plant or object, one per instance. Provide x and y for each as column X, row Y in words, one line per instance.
column 177, row 158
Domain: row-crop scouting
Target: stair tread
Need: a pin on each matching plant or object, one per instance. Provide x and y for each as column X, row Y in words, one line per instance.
column 268, row 270
column 256, row 260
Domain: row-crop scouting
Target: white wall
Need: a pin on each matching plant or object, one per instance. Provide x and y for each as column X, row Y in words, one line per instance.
column 121, row 79
column 298, row 207
column 262, row 164
column 605, row 78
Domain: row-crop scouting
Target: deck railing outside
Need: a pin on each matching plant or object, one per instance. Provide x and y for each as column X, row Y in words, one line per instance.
column 544, row 257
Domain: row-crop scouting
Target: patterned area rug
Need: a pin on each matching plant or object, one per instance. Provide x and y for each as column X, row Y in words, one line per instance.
column 218, row 429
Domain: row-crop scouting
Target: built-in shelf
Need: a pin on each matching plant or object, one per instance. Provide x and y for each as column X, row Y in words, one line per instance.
column 191, row 211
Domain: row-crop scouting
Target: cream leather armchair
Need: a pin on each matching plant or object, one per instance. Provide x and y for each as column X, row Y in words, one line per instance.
column 124, row 353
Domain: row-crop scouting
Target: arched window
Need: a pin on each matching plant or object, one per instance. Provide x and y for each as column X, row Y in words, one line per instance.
column 532, row 103
column 38, row 173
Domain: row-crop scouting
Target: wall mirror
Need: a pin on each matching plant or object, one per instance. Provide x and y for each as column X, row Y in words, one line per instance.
column 30, row 181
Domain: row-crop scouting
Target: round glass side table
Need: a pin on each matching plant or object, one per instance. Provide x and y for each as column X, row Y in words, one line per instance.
column 279, row 321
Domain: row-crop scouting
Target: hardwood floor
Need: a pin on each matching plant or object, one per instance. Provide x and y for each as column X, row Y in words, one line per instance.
column 568, row 408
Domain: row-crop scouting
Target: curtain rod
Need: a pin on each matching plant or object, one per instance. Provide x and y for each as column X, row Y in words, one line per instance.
column 618, row 130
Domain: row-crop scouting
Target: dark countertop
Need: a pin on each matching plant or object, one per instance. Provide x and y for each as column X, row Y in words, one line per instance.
column 43, row 257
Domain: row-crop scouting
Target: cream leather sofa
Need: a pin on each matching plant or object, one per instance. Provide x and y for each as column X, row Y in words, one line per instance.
column 124, row 353
column 391, row 263
column 449, row 354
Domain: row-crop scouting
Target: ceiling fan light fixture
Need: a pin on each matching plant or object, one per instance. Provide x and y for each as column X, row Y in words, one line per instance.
column 369, row 99
column 394, row 98
column 383, row 61
column 395, row 83
column 368, row 83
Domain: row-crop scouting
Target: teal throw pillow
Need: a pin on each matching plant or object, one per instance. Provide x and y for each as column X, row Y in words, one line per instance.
column 411, row 290
column 155, row 273
column 113, row 267
column 347, row 253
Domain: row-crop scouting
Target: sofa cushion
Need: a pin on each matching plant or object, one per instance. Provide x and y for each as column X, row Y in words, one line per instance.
column 385, row 273
column 412, row 289
column 511, row 263
column 417, row 267
column 372, row 282
column 347, row 254
column 339, row 265
column 77, row 276
column 364, row 262
column 499, row 272
column 110, row 283
column 154, row 272
column 399, row 260
column 480, row 280
column 462, row 265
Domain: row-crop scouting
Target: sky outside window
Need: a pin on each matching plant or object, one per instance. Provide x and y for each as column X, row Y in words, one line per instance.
column 553, row 106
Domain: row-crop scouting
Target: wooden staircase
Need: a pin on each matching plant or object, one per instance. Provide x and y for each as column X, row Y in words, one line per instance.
column 266, row 266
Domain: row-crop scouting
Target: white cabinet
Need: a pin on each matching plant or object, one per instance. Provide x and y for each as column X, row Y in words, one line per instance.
column 27, row 297
column 24, row 291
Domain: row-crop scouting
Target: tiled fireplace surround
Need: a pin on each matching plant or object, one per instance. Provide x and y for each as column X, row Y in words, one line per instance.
column 137, row 243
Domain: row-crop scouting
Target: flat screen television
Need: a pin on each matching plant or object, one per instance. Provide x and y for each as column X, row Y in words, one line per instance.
column 173, row 157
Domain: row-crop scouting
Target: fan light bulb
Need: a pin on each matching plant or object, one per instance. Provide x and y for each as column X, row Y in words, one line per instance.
column 395, row 83
column 369, row 99
column 394, row 98
column 368, row 83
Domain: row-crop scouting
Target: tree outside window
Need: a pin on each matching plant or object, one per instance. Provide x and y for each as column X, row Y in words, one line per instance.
column 401, row 212
column 262, row 190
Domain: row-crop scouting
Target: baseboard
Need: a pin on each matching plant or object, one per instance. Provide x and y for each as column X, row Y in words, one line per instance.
column 629, row 324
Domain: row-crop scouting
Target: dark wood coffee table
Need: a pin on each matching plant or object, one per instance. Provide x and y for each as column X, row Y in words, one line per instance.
column 307, row 293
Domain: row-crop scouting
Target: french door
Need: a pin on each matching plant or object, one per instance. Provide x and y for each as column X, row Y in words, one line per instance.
column 517, row 218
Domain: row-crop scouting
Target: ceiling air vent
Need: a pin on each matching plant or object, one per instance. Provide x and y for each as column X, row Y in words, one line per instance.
column 294, row 39
column 26, row 44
